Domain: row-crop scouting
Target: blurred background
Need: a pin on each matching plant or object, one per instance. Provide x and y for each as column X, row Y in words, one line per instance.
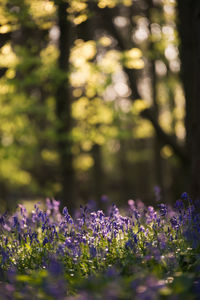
column 92, row 101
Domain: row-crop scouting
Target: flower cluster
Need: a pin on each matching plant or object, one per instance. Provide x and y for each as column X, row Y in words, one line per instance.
column 144, row 253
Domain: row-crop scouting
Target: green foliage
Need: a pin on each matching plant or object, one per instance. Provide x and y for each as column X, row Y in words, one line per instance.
column 101, row 94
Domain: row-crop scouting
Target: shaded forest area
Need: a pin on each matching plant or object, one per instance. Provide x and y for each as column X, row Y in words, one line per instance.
column 99, row 98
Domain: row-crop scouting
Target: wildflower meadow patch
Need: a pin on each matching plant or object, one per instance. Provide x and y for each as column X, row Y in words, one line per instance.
column 145, row 252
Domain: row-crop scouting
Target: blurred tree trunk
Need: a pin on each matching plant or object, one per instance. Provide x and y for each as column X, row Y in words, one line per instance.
column 157, row 141
column 63, row 111
column 126, row 184
column 4, row 191
column 98, row 174
column 189, row 28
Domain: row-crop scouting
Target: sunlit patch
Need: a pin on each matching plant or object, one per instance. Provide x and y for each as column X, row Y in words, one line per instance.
column 77, row 6
column 133, row 53
column 42, row 12
column 122, row 89
column 135, row 64
column 11, row 172
column 121, row 21
column 127, row 2
column 7, row 57
column 169, row 9
column 54, row 33
column 7, row 140
column 139, row 105
column 110, row 62
column 180, row 130
column 143, row 129
column 81, row 76
column 50, row 156
column 83, row 162
column 5, row 28
column 82, row 51
column 179, row 113
column 105, row 41
column 10, row 73
column 165, row 120
column 86, row 145
column 141, row 32
column 49, row 56
column 132, row 59
column 5, row 89
column 80, row 19
column 108, row 3
column 79, row 108
column 110, row 94
column 160, row 67
column 125, row 105
column 77, row 92
column 175, row 65
column 156, row 32
column 171, row 52
column 166, row 152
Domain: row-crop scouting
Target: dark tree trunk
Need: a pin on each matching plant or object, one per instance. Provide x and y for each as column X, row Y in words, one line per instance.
column 63, row 111
column 98, row 174
column 189, row 28
column 157, row 141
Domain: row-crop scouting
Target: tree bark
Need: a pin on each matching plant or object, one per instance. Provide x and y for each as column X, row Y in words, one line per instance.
column 189, row 29
column 98, row 174
column 63, row 111
column 157, row 142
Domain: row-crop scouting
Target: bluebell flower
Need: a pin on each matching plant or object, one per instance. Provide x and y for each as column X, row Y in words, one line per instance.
column 129, row 244
column 174, row 222
column 2, row 220
column 162, row 209
column 45, row 241
column 184, row 196
column 179, row 205
column 65, row 211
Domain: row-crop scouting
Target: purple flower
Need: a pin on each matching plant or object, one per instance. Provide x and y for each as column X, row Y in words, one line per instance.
column 2, row 220
column 129, row 244
column 67, row 215
column 184, row 196
column 23, row 210
column 45, row 241
column 65, row 211
column 162, row 209
column 179, row 205
column 174, row 222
